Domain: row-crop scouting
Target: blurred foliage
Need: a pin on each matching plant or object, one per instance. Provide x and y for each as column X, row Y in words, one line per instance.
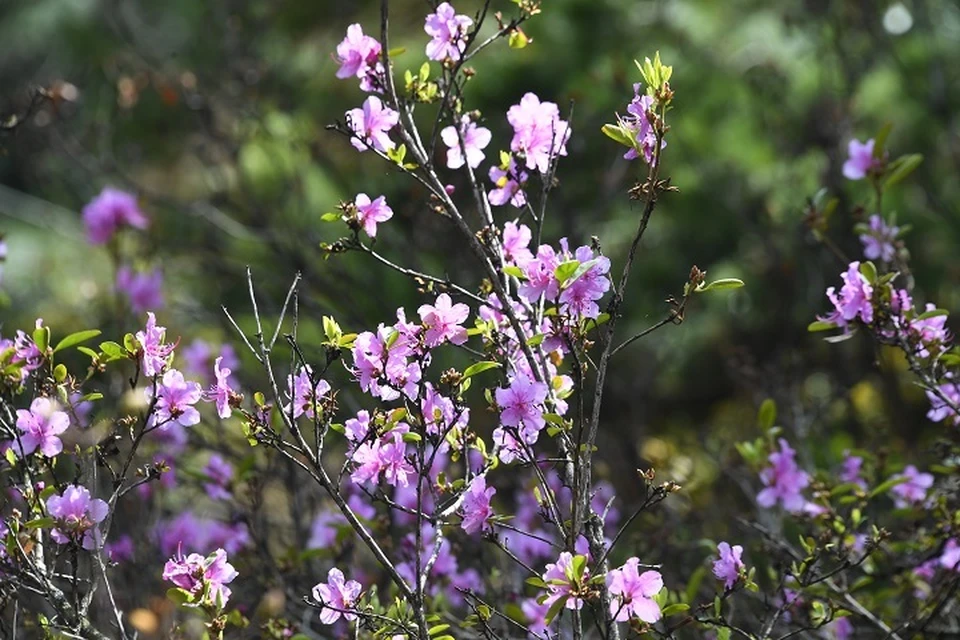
column 215, row 114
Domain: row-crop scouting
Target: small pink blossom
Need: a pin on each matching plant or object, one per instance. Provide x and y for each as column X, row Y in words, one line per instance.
column 854, row 299
column 219, row 472
column 474, row 139
column 77, row 516
column 516, row 240
column 784, row 481
column 476, row 509
column 359, row 55
column 950, row 559
column 143, row 290
column 108, row 212
column 154, row 354
column 371, row 125
column 448, row 32
column 538, row 132
column 914, row 489
column 941, row 410
column 337, row 597
column 372, row 212
column 386, row 456
column 305, row 395
column 878, row 242
column 221, row 393
column 633, row 592
column 860, row 160
column 728, row 565
column 509, row 183
column 175, row 398
column 40, row 427
column 201, row 576
column 521, row 405
column 443, row 320
column 563, row 582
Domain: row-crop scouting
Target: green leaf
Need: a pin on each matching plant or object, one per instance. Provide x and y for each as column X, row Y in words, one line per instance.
column 330, row 217
column 820, row 325
column 514, row 271
column 581, row 269
column 579, row 564
column 41, row 336
column 410, row 436
column 565, row 270
column 869, row 271
column 130, row 343
column 88, row 352
column 40, row 523
column 933, row 313
column 880, row 141
column 536, row 340
column 518, row 39
column 440, row 628
column 479, row 367
column 536, row 582
column 720, row 285
column 901, row 168
column 60, row 373
column 693, row 584
column 674, row 609
column 112, row 350
column 179, row 596
column 555, row 609
column 76, row 338
column 884, row 487
column 396, row 51
column 767, row 414
column 617, row 133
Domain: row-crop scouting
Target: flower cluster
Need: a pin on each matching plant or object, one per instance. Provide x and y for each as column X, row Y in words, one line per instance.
column 784, row 481
column 77, row 516
column 204, row 579
column 110, row 211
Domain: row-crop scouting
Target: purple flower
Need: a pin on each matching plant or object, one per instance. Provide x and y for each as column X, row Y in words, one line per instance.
column 914, row 489
column 220, row 474
column 840, row 629
column 120, row 550
column 784, row 481
column 371, row 124
column 516, row 240
column 448, row 31
column 174, row 401
column 562, row 581
column 305, row 395
column 475, row 139
column 39, row 427
column 358, row 55
column 939, row 409
column 386, row 456
column 77, row 516
column 854, row 299
column 538, row 132
column 579, row 298
column 439, row 413
column 878, row 241
column 202, row 534
column 199, row 359
column 108, row 212
column 370, row 213
column 336, row 597
column 144, row 290
column 221, row 393
column 633, row 592
column 727, row 567
column 540, row 278
column 356, row 429
column 25, row 350
column 154, row 353
column 638, row 123
column 201, row 576
column 860, row 160
column 323, row 530
column 852, row 466
column 443, row 320
column 521, row 405
column 509, row 184
column 536, row 615
column 476, row 509
column 950, row 560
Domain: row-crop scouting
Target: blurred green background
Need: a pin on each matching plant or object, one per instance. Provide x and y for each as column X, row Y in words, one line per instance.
column 214, row 113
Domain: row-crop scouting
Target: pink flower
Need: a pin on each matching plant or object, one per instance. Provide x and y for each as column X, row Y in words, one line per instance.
column 633, row 592
column 443, row 320
column 784, row 481
column 370, row 213
column 306, row 397
column 940, row 410
column 579, row 298
column 851, row 470
column 448, row 31
column 220, row 474
column 174, row 401
column 109, row 211
column 202, row 576
column 840, row 629
column 154, row 353
column 854, row 299
column 356, row 429
column 521, row 405
column 878, row 241
column 120, row 550
column 25, row 350
column 221, row 393
column 358, row 55
column 516, row 240
column 144, row 290
column 860, row 160
column 564, row 582
column 39, row 428
column 539, row 272
column 385, row 456
column 536, row 615
column 336, row 597
column 475, row 139
column 199, row 358
column 914, row 489
column 509, row 184
column 371, row 125
column 727, row 567
column 476, row 509
column 439, row 412
column 77, row 516
column 950, row 560
column 538, row 132
column 638, row 122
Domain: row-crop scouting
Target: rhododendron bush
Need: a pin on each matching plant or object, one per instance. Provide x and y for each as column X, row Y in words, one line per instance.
column 439, row 472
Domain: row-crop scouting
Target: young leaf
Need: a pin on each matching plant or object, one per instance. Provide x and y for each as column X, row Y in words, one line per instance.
column 721, row 284
column 901, row 168
column 76, row 338
column 767, row 415
column 820, row 325
column 479, row 367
